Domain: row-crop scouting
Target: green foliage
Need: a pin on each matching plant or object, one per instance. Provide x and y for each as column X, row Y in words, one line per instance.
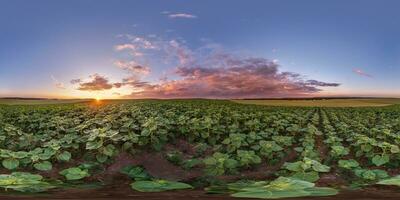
column 390, row 181
column 222, row 137
column 191, row 163
column 10, row 163
column 24, row 182
column 64, row 156
column 267, row 148
column 306, row 176
column 371, row 175
column 283, row 188
column 43, row 166
column 247, row 158
column 219, row 164
column 175, row 157
column 379, row 160
column 159, row 186
column 339, row 151
column 136, row 173
column 306, row 165
column 74, row 173
column 348, row 164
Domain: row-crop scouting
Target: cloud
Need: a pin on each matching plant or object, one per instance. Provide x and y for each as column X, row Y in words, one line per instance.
column 122, row 47
column 181, row 15
column 75, row 81
column 133, row 67
column 321, row 84
column 206, row 72
column 136, row 83
column 57, row 83
column 361, row 73
column 96, row 83
column 228, row 76
column 181, row 52
column 136, row 45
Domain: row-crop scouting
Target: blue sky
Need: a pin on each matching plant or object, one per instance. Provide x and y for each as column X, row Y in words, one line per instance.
column 46, row 44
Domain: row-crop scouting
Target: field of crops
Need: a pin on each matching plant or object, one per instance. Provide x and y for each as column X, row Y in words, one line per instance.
column 356, row 102
column 221, row 147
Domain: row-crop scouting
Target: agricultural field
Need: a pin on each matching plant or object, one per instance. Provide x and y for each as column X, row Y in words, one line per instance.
column 206, row 148
column 372, row 102
column 39, row 101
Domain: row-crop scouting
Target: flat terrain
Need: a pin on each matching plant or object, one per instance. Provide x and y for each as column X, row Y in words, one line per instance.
column 39, row 101
column 324, row 103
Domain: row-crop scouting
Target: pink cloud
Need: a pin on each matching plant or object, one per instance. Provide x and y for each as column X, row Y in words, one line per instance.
column 182, row 15
column 206, row 72
column 239, row 78
column 361, row 73
column 122, row 47
column 181, row 52
column 96, row 83
column 133, row 67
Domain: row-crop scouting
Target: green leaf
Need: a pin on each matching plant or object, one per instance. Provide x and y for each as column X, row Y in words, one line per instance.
column 19, row 154
column 24, row 182
column 283, row 183
column 94, row 144
column 369, row 175
column 390, row 181
column 306, row 176
column 283, row 188
column 10, row 163
column 47, row 154
column 137, row 173
column 101, row 158
column 27, row 176
column 43, row 166
column 276, row 194
column 295, row 166
column 348, row 164
column 74, row 173
column 159, row 186
column 320, row 167
column 322, row 191
column 394, row 149
column 64, row 156
column 190, row 163
column 380, row 174
column 109, row 150
column 379, row 160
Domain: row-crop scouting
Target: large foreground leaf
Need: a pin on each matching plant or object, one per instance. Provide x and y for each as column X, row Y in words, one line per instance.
column 272, row 194
column 159, row 186
column 284, row 188
column 306, row 176
column 391, row 181
column 24, row 182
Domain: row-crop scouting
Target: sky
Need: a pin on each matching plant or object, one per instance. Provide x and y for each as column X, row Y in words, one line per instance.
column 199, row 49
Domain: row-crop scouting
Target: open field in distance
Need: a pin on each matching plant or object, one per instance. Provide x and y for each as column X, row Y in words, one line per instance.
column 324, row 102
column 40, row 101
